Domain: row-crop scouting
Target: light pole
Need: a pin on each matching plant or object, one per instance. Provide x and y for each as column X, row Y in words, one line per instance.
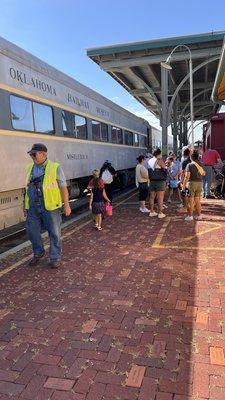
column 167, row 66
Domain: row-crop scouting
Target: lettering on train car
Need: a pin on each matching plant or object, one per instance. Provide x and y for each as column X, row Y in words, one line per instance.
column 76, row 100
column 73, row 156
column 102, row 112
column 36, row 83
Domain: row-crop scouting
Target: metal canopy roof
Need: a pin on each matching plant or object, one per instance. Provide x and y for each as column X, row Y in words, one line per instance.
column 218, row 94
column 136, row 66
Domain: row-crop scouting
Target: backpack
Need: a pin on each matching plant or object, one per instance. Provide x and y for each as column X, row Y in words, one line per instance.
column 107, row 176
column 201, row 171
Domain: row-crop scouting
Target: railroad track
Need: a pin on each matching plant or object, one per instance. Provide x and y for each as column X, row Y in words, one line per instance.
column 17, row 236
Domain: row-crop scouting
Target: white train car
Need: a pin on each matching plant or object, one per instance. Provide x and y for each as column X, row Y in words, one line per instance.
column 156, row 139
column 81, row 128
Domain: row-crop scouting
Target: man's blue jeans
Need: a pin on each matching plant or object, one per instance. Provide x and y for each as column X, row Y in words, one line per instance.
column 207, row 180
column 38, row 218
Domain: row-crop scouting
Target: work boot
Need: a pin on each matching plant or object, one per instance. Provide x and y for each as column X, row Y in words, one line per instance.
column 35, row 260
column 55, row 264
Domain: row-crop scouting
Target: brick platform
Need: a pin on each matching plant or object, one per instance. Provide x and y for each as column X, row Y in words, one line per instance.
column 137, row 312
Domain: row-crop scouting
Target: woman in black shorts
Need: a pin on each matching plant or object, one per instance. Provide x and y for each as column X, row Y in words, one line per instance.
column 141, row 174
column 158, row 176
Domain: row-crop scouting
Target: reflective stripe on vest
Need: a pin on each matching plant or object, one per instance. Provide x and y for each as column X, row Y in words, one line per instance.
column 51, row 191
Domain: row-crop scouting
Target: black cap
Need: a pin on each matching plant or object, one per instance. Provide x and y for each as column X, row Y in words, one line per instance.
column 38, row 147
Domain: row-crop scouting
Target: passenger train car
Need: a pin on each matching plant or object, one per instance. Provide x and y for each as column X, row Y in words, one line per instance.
column 155, row 139
column 81, row 128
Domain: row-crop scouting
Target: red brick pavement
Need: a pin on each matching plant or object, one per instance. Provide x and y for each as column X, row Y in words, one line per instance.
column 136, row 313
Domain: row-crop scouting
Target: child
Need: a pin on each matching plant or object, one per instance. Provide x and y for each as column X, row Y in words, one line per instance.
column 97, row 198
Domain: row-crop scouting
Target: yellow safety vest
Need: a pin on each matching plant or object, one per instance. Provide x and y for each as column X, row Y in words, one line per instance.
column 51, row 192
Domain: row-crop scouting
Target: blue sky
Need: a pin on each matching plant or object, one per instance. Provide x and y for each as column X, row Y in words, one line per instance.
column 59, row 31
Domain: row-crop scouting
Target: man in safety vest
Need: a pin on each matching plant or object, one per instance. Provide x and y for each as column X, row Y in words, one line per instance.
column 45, row 191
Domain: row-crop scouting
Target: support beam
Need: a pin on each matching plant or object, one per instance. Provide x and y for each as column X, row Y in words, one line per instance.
column 181, row 134
column 184, row 80
column 122, row 79
column 186, row 107
column 164, row 118
column 186, row 86
column 152, row 76
column 185, row 137
column 137, row 75
column 158, row 58
column 175, row 127
column 197, row 103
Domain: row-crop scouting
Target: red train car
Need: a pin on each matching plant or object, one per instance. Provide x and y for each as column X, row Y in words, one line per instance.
column 214, row 134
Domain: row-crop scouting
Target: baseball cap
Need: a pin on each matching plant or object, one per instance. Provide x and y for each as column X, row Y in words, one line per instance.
column 38, row 147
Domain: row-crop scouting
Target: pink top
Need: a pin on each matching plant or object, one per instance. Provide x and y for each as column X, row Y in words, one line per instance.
column 210, row 157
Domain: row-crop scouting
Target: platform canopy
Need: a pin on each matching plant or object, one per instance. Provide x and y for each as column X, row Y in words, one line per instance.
column 137, row 67
column 218, row 94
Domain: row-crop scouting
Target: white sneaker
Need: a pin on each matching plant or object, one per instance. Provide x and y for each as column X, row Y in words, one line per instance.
column 153, row 214
column 161, row 215
column 188, row 218
column 168, row 201
column 144, row 210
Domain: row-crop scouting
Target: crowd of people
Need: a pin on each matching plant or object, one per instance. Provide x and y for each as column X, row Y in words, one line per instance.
column 187, row 180
column 46, row 192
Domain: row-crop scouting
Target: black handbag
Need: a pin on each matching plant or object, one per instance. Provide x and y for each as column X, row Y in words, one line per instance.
column 157, row 174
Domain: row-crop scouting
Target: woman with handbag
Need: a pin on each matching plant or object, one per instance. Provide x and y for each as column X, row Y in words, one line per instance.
column 158, row 175
column 193, row 181
column 141, row 177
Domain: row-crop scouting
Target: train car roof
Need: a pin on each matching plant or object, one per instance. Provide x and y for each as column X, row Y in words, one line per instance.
column 20, row 55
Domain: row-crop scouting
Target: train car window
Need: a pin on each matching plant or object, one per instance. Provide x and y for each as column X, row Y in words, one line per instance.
column 117, row 135
column 96, row 130
column 104, row 132
column 128, row 138
column 143, row 141
column 80, row 127
column 68, row 123
column 136, row 140
column 99, row 131
column 43, row 118
column 114, row 134
column 120, row 136
column 21, row 113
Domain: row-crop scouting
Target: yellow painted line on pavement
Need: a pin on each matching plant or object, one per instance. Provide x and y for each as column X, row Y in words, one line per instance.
column 24, row 259
column 157, row 242
column 161, row 233
column 162, row 246
column 197, row 234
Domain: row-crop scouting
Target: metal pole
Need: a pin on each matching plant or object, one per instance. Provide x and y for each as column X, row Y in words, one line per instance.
column 181, row 139
column 191, row 101
column 164, row 85
column 175, row 127
column 185, row 132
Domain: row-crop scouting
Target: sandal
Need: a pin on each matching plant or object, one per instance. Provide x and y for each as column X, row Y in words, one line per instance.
column 99, row 228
